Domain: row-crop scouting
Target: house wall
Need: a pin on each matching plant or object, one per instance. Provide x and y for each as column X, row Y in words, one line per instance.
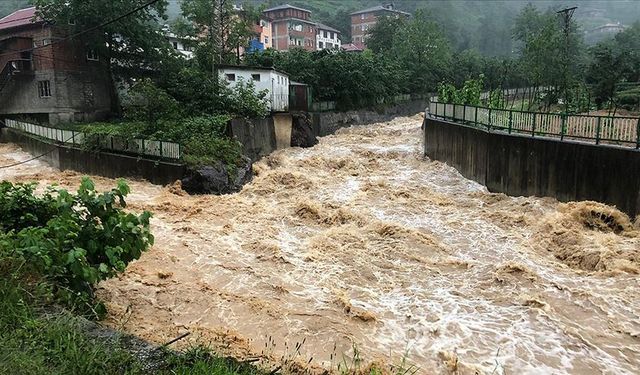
column 290, row 33
column 360, row 24
column 79, row 87
column 332, row 39
column 277, row 85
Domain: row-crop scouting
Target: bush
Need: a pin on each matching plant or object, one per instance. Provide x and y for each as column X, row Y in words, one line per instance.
column 75, row 240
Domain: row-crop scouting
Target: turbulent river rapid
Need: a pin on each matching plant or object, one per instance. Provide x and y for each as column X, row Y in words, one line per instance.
column 359, row 244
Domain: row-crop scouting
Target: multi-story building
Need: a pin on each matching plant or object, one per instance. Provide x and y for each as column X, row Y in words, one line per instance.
column 362, row 21
column 327, row 37
column 291, row 27
column 47, row 77
column 183, row 45
column 262, row 36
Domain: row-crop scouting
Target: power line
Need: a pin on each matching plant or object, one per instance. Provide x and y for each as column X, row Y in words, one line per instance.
column 56, row 41
column 35, row 157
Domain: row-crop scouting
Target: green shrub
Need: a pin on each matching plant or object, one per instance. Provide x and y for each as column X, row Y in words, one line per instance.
column 75, row 240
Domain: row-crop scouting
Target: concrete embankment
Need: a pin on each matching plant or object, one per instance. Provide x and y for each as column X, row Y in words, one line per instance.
column 95, row 163
column 521, row 165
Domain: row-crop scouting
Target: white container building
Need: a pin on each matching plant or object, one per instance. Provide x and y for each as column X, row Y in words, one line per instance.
column 275, row 82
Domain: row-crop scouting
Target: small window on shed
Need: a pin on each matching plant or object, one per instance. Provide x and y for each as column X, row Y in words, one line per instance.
column 44, row 89
column 230, row 77
column 175, row 45
column 255, row 77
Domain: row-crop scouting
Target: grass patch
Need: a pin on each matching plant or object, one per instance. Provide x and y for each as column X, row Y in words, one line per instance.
column 38, row 338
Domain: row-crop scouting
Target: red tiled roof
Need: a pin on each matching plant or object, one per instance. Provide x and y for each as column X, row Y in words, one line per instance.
column 18, row 18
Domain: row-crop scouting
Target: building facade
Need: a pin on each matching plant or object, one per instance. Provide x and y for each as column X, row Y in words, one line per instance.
column 47, row 78
column 362, row 21
column 262, row 36
column 327, row 37
column 184, row 46
column 291, row 27
column 276, row 83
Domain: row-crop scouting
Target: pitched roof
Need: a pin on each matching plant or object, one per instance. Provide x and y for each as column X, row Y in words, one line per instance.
column 383, row 8
column 20, row 17
column 286, row 6
column 322, row 26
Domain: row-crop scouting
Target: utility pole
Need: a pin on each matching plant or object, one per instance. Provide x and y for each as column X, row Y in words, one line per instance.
column 567, row 15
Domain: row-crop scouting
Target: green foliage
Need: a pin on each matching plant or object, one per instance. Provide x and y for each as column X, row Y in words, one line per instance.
column 147, row 102
column 468, row 94
column 220, row 30
column 352, row 80
column 134, row 42
column 75, row 240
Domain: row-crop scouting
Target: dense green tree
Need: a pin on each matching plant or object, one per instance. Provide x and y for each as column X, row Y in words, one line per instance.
column 383, row 35
column 128, row 46
column 221, row 30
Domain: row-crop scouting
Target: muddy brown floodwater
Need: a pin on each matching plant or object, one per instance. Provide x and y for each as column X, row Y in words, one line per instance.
column 361, row 242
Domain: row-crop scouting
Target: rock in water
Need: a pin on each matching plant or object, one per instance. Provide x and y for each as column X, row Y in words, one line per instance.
column 215, row 179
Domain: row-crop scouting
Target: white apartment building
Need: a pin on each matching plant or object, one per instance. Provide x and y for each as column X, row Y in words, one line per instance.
column 327, row 37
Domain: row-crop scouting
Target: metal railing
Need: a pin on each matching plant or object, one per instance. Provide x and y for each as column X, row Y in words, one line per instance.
column 598, row 129
column 160, row 149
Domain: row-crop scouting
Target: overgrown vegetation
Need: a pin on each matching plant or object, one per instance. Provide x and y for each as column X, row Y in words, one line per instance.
column 54, row 247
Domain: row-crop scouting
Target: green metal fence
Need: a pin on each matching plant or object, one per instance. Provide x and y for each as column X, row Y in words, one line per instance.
column 161, row 149
column 624, row 131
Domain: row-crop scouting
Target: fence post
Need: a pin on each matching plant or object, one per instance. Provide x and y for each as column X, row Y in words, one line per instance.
column 638, row 135
column 436, row 109
column 476, row 118
column 564, row 123
column 464, row 113
column 510, row 120
column 598, row 130
column 453, row 115
column 161, row 149
column 489, row 120
column 533, row 125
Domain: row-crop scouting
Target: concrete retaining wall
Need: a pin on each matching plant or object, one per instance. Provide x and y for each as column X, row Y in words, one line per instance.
column 325, row 123
column 522, row 165
column 101, row 164
column 260, row 137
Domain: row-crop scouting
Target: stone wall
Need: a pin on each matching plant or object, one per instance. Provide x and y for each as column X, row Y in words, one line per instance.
column 521, row 165
column 325, row 123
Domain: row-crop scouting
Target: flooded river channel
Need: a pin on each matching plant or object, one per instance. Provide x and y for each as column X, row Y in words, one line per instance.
column 359, row 242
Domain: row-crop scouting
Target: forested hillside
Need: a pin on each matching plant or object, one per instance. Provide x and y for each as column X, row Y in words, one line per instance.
column 8, row 6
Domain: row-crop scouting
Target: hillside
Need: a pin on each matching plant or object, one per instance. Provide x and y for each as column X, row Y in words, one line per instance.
column 9, row 6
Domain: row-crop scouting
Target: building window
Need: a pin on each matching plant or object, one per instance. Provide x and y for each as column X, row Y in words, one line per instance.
column 255, row 77
column 187, row 48
column 175, row 45
column 44, row 89
column 92, row 55
column 266, row 40
column 319, row 44
column 231, row 77
column 331, row 33
column 46, row 42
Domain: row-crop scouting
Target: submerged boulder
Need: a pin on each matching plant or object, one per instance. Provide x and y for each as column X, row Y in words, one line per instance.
column 217, row 178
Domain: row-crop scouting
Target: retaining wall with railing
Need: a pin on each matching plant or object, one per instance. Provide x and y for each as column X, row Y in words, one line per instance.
column 142, row 147
column 623, row 131
column 508, row 157
column 59, row 149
